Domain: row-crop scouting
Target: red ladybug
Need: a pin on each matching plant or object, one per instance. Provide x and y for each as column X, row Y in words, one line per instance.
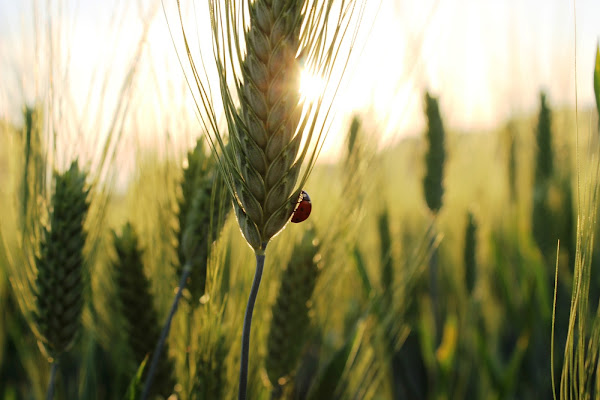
column 303, row 210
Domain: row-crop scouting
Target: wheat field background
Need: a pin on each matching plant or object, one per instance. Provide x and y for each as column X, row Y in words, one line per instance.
column 448, row 264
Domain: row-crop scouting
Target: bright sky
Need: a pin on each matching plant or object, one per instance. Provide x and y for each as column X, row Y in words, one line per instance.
column 485, row 60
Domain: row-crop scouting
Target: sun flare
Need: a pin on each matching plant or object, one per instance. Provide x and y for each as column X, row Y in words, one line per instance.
column 311, row 85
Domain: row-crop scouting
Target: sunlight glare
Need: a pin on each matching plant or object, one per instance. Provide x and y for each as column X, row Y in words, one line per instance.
column 312, row 86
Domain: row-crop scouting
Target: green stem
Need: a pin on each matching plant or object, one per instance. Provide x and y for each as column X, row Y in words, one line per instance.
column 260, row 263
column 433, row 282
column 53, row 368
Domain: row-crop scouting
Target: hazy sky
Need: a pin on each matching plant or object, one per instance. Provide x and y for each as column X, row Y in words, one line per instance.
column 485, row 60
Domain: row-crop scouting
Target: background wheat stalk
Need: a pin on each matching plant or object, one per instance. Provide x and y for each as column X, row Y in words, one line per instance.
column 272, row 130
column 433, row 188
column 202, row 213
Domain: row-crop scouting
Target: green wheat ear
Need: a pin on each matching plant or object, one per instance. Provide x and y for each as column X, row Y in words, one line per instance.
column 436, row 155
column 261, row 46
column 470, row 253
column 387, row 261
column 137, row 307
column 197, row 165
column 203, row 209
column 59, row 284
column 266, row 123
column 290, row 324
column 542, row 218
column 206, row 214
column 544, row 166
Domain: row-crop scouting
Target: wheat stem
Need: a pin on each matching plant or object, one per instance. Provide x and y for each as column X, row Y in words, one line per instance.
column 165, row 332
column 53, row 368
column 434, row 293
column 260, row 263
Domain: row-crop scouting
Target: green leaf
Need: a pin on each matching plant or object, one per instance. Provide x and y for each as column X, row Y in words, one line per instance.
column 597, row 78
column 133, row 390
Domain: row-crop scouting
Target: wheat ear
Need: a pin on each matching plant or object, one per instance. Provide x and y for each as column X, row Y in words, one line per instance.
column 60, row 267
column 470, row 253
column 137, row 307
column 193, row 171
column 272, row 130
column 203, row 210
column 291, row 321
column 433, row 182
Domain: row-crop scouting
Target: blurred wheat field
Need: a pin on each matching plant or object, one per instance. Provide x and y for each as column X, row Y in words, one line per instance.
column 382, row 293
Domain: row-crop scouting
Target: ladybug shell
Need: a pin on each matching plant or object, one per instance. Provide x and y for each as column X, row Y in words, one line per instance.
column 303, row 210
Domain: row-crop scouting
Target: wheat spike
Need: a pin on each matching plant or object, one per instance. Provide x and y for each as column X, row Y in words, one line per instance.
column 433, row 182
column 137, row 308
column 470, row 253
column 60, row 264
column 267, row 121
column 290, row 324
column 543, row 217
column 544, row 166
column 387, row 260
column 197, row 164
column 272, row 130
column 203, row 209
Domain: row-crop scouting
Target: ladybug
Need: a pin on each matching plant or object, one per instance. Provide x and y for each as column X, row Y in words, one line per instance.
column 303, row 210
